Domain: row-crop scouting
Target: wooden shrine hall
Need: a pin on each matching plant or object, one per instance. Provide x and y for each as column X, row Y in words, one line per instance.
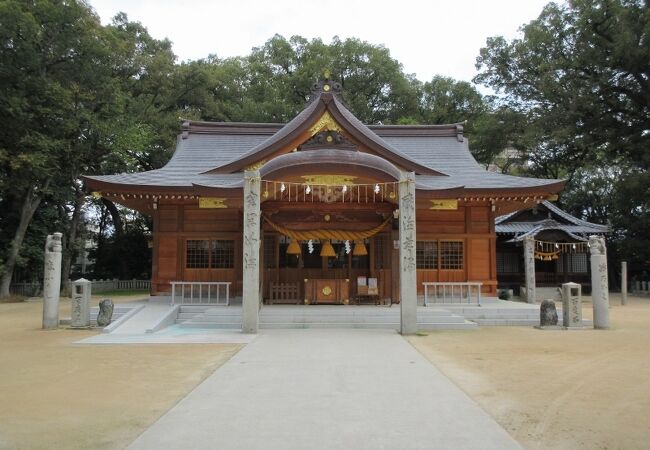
column 323, row 209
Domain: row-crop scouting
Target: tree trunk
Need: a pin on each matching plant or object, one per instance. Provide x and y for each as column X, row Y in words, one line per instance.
column 118, row 224
column 115, row 215
column 27, row 210
column 71, row 241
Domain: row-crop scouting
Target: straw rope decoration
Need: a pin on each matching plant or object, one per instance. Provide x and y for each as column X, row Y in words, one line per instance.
column 342, row 235
column 548, row 251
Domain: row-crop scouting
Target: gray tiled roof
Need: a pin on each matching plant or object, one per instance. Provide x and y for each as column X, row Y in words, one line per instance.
column 558, row 220
column 448, row 155
column 197, row 153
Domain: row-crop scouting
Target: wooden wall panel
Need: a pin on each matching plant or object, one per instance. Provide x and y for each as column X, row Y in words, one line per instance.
column 479, row 218
column 168, row 258
column 225, row 275
column 427, row 215
column 202, row 220
column 168, row 217
column 479, row 257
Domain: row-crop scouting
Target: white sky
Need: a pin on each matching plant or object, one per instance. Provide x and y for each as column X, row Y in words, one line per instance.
column 427, row 37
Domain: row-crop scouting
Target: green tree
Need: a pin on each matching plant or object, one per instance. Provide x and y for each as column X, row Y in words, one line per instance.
column 581, row 74
column 53, row 94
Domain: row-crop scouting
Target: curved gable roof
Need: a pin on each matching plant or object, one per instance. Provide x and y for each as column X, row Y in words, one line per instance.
column 321, row 103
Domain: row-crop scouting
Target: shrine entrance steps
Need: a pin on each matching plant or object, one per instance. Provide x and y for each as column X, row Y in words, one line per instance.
column 320, row 316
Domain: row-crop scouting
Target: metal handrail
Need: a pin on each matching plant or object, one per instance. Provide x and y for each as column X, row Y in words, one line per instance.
column 448, row 289
column 201, row 299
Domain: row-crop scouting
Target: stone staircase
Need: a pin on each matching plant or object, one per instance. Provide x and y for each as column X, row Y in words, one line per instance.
column 517, row 314
column 319, row 316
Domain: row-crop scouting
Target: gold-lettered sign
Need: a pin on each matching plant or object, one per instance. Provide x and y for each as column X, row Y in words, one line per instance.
column 212, row 202
column 444, row 204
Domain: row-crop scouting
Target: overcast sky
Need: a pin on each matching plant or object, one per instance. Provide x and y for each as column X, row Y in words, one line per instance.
column 427, row 37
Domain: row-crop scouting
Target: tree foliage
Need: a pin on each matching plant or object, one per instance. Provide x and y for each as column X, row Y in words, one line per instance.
column 81, row 98
column 580, row 73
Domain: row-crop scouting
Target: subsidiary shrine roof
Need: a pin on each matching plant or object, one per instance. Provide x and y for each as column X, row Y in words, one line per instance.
column 215, row 154
column 545, row 217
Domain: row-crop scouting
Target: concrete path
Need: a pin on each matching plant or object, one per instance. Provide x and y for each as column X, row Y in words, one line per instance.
column 326, row 389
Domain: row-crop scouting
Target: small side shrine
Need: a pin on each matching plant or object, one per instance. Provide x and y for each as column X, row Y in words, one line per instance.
column 560, row 247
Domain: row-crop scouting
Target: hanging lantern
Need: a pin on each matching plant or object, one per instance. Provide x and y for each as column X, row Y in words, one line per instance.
column 293, row 248
column 359, row 249
column 327, row 250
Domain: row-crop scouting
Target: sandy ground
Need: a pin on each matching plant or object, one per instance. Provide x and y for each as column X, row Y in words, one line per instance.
column 585, row 389
column 56, row 395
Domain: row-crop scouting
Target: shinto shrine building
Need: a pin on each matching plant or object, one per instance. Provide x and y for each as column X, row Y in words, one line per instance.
column 323, row 209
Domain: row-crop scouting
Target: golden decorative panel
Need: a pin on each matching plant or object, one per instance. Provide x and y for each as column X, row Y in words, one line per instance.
column 256, row 166
column 444, row 204
column 212, row 203
column 329, row 180
column 325, row 123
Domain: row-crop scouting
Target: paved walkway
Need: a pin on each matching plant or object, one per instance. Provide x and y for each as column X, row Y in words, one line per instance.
column 326, row 389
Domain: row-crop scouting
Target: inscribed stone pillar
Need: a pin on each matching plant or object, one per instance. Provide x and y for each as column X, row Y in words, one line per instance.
column 407, row 242
column 80, row 307
column 623, row 282
column 251, row 253
column 599, row 284
column 52, row 281
column 572, row 305
column 529, row 265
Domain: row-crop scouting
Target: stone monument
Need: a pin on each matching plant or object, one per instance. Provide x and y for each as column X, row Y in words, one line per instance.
column 547, row 314
column 105, row 312
column 571, row 305
column 52, row 281
column 599, row 282
column 79, row 309
column 529, row 267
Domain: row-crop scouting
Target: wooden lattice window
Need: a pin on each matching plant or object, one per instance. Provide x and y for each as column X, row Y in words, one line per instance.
column 577, row 263
column 197, row 254
column 426, row 254
column 451, row 255
column 209, row 254
column 507, row 262
column 223, row 255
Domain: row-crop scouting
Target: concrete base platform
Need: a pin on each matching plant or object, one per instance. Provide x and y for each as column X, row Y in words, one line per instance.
column 173, row 335
column 318, row 389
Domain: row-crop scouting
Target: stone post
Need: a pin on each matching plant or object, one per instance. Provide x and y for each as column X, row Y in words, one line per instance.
column 251, row 253
column 571, row 305
column 52, row 281
column 529, row 265
column 407, row 241
column 623, row 282
column 599, row 285
column 80, row 307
